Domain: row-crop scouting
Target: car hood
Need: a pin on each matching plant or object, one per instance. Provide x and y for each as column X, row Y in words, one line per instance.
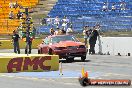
column 67, row 43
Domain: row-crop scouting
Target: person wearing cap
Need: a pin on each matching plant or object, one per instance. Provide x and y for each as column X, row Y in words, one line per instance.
column 15, row 41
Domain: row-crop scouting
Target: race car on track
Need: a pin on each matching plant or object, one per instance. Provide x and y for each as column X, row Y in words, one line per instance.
column 66, row 46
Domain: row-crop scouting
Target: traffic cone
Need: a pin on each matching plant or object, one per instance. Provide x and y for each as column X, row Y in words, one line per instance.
column 86, row 74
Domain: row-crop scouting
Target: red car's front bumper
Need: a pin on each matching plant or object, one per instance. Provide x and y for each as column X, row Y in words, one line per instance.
column 70, row 53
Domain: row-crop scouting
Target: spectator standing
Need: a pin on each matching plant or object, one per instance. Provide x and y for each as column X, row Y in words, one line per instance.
column 104, row 8
column 65, row 21
column 123, row 5
column 16, row 5
column 11, row 5
column 99, row 39
column 85, row 31
column 89, row 32
column 52, row 31
column 113, row 8
column 19, row 14
column 15, row 41
column 49, row 21
column 11, row 15
column 57, row 21
column 92, row 40
column 43, row 21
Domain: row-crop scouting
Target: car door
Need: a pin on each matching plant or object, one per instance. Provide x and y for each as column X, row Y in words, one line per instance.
column 45, row 48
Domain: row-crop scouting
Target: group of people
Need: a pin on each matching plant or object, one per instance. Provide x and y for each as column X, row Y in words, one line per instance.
column 15, row 42
column 113, row 7
column 57, row 22
column 19, row 13
column 14, row 5
column 27, row 33
column 90, row 35
column 59, row 31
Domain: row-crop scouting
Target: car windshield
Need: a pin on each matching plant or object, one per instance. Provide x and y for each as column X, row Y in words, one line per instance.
column 57, row 39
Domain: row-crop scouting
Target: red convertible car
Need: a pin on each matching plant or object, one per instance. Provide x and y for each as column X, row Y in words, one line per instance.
column 66, row 46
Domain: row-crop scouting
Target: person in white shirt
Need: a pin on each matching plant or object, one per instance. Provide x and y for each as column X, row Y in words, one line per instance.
column 65, row 22
column 113, row 7
column 11, row 15
column 49, row 21
column 104, row 8
column 57, row 21
column 123, row 6
column 69, row 30
column 11, row 5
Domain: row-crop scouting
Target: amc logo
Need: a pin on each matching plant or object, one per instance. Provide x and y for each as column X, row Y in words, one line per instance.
column 22, row 64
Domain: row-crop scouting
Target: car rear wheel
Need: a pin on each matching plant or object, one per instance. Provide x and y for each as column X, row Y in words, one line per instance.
column 69, row 60
column 83, row 58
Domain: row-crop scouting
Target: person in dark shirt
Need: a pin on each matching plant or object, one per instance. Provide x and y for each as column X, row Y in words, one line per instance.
column 92, row 41
column 19, row 15
column 52, row 31
column 15, row 40
column 28, row 47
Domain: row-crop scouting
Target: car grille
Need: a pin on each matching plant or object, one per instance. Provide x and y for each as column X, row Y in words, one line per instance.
column 62, row 48
column 72, row 47
column 82, row 46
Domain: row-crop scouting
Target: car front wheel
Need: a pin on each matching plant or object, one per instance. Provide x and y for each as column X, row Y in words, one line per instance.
column 83, row 58
column 69, row 60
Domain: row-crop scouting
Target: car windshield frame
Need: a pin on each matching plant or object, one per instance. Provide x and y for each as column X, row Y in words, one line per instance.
column 57, row 39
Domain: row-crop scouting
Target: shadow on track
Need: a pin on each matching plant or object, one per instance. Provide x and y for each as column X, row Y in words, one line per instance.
column 64, row 61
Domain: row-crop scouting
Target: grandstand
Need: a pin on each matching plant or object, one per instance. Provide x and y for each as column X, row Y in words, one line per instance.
column 8, row 25
column 89, row 12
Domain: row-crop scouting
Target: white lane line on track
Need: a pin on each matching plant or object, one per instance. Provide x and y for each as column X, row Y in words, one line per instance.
column 115, row 74
column 97, row 63
column 42, row 79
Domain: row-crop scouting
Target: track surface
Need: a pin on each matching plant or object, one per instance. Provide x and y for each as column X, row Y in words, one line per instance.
column 98, row 66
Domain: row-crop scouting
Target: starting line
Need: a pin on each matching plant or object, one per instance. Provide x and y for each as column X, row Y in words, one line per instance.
column 51, row 74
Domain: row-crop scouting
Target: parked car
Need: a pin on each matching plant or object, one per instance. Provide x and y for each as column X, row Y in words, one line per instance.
column 66, row 46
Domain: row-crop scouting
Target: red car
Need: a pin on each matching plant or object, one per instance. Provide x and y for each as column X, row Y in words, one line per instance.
column 66, row 46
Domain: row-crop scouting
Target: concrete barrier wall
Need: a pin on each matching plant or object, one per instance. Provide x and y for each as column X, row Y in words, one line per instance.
column 114, row 45
column 33, row 62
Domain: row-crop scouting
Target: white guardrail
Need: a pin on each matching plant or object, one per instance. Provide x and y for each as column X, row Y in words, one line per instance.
column 114, row 45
